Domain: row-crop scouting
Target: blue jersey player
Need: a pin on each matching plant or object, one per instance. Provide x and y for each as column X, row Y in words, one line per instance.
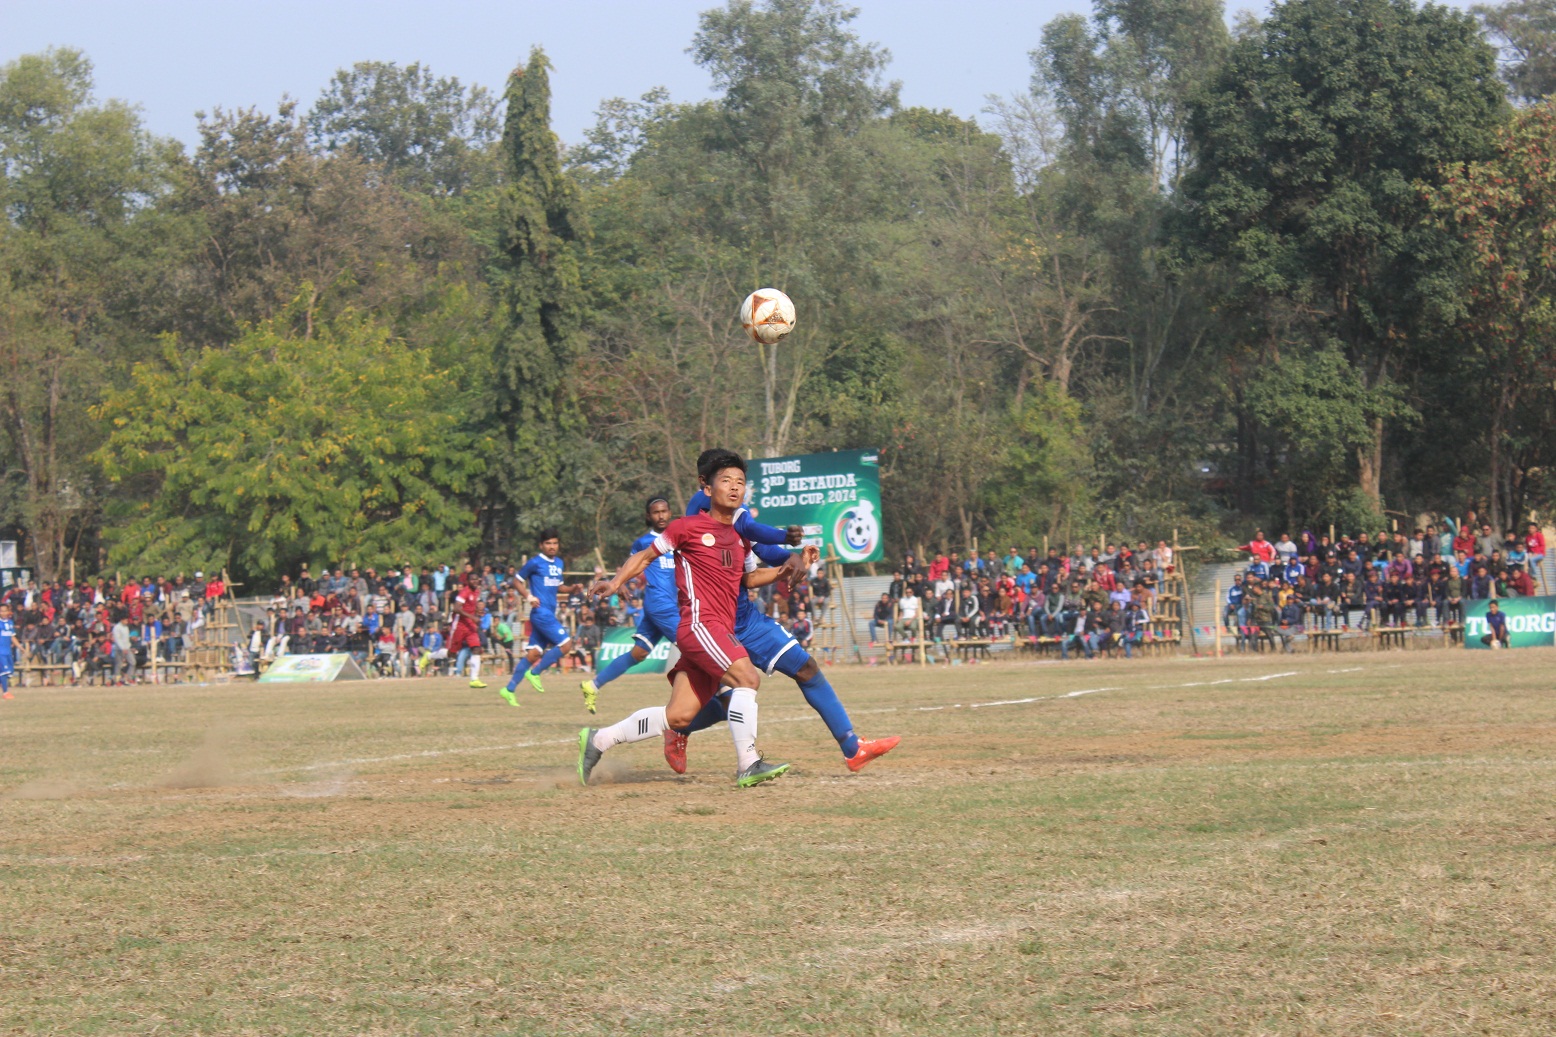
column 771, row 647
column 7, row 651
column 542, row 578
column 661, row 613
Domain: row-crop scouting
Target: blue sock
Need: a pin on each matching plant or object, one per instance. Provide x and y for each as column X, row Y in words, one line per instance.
column 552, row 655
column 518, row 672
column 716, row 710
column 819, row 694
column 613, row 669
column 460, row 660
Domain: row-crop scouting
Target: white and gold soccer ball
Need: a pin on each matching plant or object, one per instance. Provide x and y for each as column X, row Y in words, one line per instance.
column 767, row 315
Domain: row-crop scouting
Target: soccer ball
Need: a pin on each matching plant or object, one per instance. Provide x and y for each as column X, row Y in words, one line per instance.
column 767, row 315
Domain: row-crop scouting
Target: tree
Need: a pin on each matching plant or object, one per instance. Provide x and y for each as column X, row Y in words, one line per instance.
column 1122, row 83
column 429, row 133
column 1504, row 209
column 1308, row 147
column 79, row 243
column 275, row 215
column 1525, row 34
column 283, row 449
column 542, row 232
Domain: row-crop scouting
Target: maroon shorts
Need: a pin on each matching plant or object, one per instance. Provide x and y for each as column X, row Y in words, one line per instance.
column 707, row 651
column 464, row 635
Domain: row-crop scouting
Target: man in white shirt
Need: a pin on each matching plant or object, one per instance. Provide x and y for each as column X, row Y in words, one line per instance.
column 907, row 612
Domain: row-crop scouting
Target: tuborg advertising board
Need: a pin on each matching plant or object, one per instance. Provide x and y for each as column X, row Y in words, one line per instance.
column 836, row 497
column 1531, row 622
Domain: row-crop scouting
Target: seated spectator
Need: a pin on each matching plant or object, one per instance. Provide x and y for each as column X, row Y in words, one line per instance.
column 803, row 630
column 885, row 615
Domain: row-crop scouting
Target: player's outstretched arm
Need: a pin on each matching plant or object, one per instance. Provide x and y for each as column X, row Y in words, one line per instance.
column 798, row 563
column 632, row 567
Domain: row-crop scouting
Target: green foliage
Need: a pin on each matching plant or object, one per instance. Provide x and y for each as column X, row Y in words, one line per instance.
column 80, row 247
column 1042, row 484
column 542, row 231
column 429, row 133
column 282, row 449
column 1525, row 32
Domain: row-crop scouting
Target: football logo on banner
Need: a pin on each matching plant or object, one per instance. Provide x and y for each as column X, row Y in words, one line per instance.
column 857, row 532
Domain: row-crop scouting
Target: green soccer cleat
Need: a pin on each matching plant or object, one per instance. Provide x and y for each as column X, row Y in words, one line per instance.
column 534, row 681
column 588, row 755
column 759, row 772
column 590, row 694
column 478, row 684
column 509, row 697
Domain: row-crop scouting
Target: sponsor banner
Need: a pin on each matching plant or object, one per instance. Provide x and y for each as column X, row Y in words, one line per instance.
column 618, row 640
column 836, row 497
column 294, row 668
column 1531, row 622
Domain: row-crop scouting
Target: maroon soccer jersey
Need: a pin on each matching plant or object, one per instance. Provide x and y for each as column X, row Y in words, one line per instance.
column 710, row 562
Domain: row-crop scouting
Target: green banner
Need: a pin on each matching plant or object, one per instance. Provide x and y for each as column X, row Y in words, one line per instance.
column 619, row 639
column 836, row 497
column 1531, row 622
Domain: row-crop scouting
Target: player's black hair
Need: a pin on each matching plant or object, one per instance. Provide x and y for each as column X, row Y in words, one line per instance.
column 712, row 462
column 648, row 505
column 702, row 458
column 547, row 534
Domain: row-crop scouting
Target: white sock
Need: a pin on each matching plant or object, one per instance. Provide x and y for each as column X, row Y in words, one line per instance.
column 475, row 667
column 742, row 726
column 644, row 724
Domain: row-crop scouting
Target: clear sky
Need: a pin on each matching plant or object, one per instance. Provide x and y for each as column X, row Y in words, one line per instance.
column 176, row 57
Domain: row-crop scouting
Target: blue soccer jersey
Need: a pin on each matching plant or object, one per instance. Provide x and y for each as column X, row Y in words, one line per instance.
column 543, row 577
column 7, row 637
column 661, row 609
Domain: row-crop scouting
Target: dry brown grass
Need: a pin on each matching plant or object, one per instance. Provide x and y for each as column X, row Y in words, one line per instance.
column 1363, row 846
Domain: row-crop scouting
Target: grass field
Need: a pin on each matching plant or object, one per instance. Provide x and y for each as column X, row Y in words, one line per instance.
column 1267, row 845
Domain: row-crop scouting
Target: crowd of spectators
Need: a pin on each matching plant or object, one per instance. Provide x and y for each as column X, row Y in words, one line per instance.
column 100, row 631
column 1382, row 581
column 1088, row 600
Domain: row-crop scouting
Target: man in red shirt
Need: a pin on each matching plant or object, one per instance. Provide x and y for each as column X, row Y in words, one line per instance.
column 465, row 638
column 713, row 564
column 1260, row 548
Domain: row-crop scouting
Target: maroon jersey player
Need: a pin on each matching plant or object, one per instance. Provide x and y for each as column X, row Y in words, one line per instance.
column 713, row 563
column 465, row 637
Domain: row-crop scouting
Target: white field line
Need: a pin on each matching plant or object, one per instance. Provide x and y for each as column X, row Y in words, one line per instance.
column 426, row 754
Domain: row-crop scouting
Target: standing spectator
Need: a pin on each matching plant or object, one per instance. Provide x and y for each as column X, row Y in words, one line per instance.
column 123, row 651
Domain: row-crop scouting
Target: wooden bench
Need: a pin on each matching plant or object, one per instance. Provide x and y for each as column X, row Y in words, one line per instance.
column 1391, row 637
column 972, row 647
column 1323, row 641
column 909, row 650
column 1160, row 644
column 43, row 671
column 1037, row 646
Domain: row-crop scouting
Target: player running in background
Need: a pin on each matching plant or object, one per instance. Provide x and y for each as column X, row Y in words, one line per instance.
column 465, row 637
column 7, row 650
column 542, row 578
column 712, row 564
column 661, row 613
column 771, row 647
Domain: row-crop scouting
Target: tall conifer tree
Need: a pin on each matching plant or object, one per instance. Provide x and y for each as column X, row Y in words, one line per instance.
column 542, row 229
